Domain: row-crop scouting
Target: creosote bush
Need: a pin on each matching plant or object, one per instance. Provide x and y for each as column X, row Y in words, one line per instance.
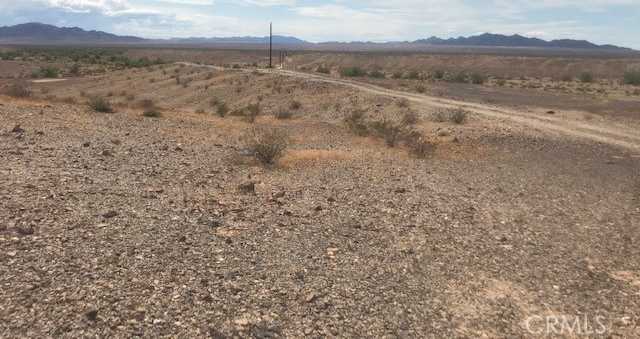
column 267, row 145
column 283, row 114
column 323, row 69
column 456, row 115
column 377, row 74
column 357, row 123
column 222, row 109
column 353, row 72
column 586, row 77
column 478, row 79
column 100, row 104
column 632, row 78
column 295, row 105
column 18, row 89
column 252, row 111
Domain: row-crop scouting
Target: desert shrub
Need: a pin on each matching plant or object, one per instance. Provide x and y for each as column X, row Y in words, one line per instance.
column 478, row 79
column 501, row 82
column 222, row 109
column 74, row 69
column 18, row 89
column 152, row 114
column 458, row 116
column 585, row 77
column 410, row 118
column 413, row 75
column 420, row 147
column 252, row 111
column 397, row 75
column 440, row 116
column 459, row 77
column 353, row 72
column 403, row 103
column 214, row 102
column 390, row 131
column 267, row 145
column 200, row 111
column 100, row 104
column 376, row 74
column 283, row 114
column 295, row 105
column 323, row 69
column 566, row 78
column 438, row 74
column 356, row 122
column 421, row 88
column 46, row 72
column 69, row 100
column 632, row 78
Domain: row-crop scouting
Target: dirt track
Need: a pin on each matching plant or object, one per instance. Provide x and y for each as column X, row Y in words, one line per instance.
column 568, row 124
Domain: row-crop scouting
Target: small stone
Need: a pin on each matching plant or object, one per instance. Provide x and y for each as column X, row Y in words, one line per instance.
column 12, row 253
column 107, row 153
column 116, row 142
column 318, row 208
column 443, row 133
column 110, row 214
column 551, row 112
column 17, row 129
column 331, row 199
column 248, row 187
column 92, row 315
column 86, row 144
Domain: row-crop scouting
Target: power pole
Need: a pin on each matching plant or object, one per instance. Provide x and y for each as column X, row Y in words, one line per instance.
column 271, row 45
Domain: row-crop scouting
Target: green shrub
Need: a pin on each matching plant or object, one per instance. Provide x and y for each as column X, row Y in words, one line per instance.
column 353, row 72
column 585, row 77
column 100, row 104
column 632, row 78
column 397, row 75
column 438, row 74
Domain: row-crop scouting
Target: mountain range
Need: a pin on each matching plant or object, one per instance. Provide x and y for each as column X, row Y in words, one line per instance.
column 37, row 33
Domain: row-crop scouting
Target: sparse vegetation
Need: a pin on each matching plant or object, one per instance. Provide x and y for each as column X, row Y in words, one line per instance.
column 388, row 130
column 149, row 109
column 252, row 112
column 323, row 69
column 460, row 77
column 377, row 74
column 283, row 114
column 478, row 79
column 295, row 105
column 456, row 115
column 586, row 77
column 438, row 74
column 353, row 72
column 410, row 118
column 222, row 109
column 632, row 77
column 356, row 122
column 267, row 145
column 18, row 89
column 100, row 104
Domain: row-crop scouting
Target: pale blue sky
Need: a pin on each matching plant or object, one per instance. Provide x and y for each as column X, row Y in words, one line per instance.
column 601, row 21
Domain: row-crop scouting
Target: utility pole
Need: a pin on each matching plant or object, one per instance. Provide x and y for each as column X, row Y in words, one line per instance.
column 271, row 45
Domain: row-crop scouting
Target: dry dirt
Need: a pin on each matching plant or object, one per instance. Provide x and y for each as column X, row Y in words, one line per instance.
column 116, row 225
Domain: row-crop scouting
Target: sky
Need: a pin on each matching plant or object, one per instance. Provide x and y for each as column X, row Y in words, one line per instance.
column 600, row 21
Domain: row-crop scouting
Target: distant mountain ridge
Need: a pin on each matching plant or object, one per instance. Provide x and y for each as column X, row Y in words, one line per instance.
column 516, row 40
column 38, row 33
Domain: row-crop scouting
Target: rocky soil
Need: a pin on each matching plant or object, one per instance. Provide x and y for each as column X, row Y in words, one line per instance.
column 116, row 225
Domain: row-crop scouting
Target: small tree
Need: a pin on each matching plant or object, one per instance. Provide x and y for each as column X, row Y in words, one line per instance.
column 632, row 78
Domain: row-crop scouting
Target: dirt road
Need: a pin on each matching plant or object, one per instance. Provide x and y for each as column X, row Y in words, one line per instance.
column 567, row 123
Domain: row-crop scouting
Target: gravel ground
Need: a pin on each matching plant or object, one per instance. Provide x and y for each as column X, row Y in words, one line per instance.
column 115, row 225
